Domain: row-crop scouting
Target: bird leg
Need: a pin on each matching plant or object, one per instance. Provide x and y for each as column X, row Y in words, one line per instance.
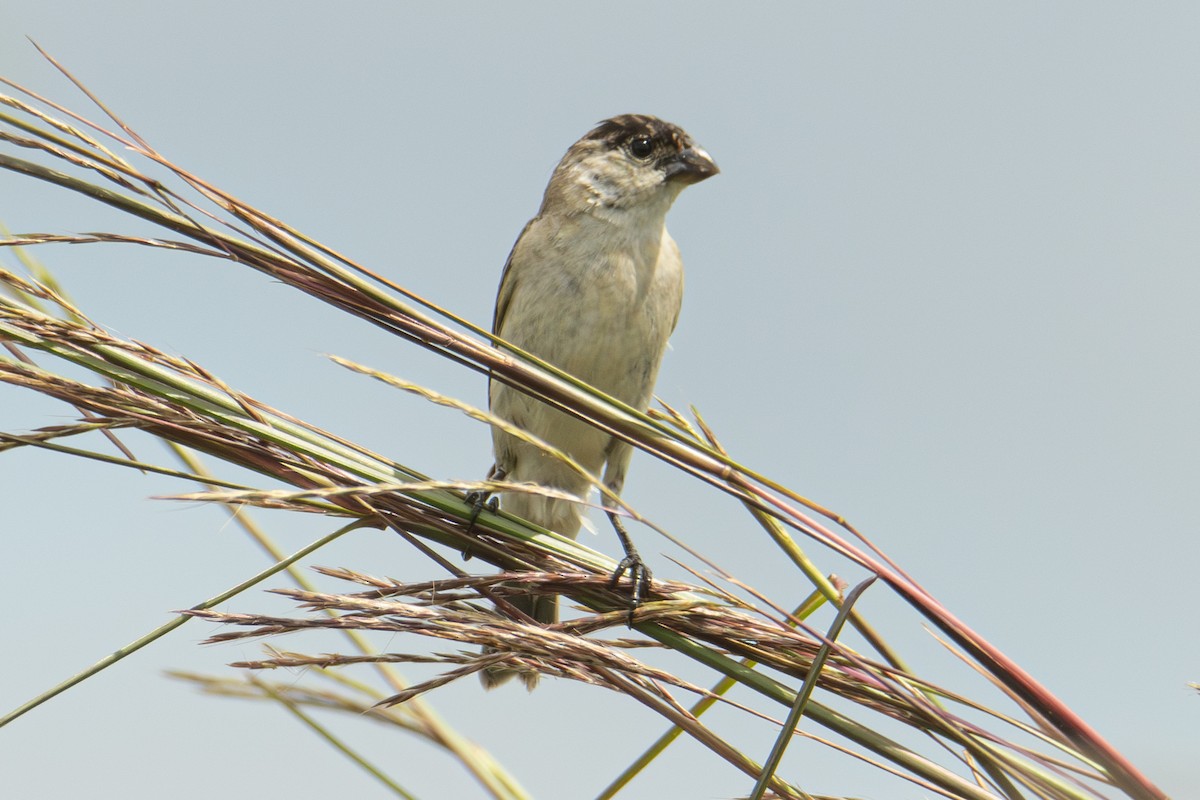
column 479, row 501
column 632, row 563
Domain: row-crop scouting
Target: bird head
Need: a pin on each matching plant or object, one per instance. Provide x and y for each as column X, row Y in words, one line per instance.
column 633, row 161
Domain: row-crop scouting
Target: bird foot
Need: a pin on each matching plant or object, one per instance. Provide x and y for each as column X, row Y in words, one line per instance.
column 639, row 578
column 479, row 501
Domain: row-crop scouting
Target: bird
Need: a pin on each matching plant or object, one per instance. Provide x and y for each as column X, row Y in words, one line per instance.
column 593, row 286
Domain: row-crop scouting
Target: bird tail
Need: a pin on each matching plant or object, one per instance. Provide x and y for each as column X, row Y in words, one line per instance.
column 560, row 516
column 542, row 608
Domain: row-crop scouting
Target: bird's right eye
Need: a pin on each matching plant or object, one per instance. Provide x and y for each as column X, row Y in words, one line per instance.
column 641, row 147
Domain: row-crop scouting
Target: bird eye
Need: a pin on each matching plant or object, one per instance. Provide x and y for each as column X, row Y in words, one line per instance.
column 641, row 147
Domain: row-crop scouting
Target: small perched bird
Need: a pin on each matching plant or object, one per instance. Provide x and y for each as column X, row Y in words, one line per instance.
column 593, row 286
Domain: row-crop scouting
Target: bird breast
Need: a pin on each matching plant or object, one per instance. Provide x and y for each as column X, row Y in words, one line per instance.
column 625, row 297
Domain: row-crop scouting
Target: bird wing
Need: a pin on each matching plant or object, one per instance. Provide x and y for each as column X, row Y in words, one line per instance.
column 508, row 282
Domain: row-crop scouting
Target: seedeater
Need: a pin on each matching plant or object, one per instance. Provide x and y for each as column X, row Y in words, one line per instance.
column 593, row 286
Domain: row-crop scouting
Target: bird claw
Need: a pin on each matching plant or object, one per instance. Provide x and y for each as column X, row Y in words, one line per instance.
column 639, row 578
column 479, row 501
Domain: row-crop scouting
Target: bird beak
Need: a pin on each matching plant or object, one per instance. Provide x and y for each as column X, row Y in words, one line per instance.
column 691, row 165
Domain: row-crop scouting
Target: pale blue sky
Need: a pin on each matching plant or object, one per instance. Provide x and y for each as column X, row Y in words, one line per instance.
column 946, row 284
